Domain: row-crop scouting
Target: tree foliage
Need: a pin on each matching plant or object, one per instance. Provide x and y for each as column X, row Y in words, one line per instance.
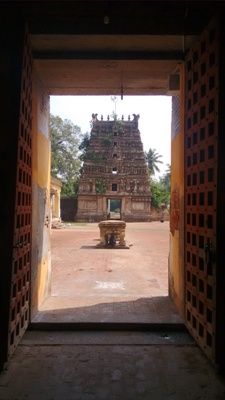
column 65, row 163
column 85, row 141
column 84, row 145
column 159, row 194
column 160, row 189
column 153, row 159
column 165, row 179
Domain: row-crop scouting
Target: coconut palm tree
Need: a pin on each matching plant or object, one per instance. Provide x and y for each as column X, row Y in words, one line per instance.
column 153, row 159
column 165, row 179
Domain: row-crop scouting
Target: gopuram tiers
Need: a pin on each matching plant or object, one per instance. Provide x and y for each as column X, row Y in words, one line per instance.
column 114, row 169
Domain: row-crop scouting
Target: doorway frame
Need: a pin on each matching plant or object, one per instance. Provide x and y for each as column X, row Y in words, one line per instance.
column 14, row 99
column 108, row 200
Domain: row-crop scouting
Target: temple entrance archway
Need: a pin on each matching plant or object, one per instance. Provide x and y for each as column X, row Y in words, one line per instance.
column 171, row 78
column 204, row 308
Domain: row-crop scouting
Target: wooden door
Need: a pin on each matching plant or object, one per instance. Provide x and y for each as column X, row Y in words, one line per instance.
column 20, row 277
column 201, row 163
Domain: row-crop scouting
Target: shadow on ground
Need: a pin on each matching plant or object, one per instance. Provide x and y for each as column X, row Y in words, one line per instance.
column 143, row 310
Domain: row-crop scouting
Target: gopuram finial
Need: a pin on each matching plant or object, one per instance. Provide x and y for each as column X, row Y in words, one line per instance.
column 94, row 117
column 135, row 120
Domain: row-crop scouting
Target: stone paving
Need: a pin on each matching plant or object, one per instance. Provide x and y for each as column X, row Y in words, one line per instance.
column 109, row 285
column 59, row 368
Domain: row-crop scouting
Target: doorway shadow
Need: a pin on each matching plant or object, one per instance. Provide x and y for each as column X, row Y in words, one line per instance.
column 154, row 310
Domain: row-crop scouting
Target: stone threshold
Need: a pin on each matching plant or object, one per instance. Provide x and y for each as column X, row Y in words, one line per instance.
column 107, row 326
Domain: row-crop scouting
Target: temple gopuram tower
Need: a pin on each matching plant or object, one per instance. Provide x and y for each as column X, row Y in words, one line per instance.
column 114, row 183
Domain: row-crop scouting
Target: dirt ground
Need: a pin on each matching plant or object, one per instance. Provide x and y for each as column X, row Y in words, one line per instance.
column 99, row 285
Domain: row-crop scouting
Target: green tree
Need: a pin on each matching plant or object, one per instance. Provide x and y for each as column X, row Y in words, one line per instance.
column 159, row 194
column 153, row 159
column 84, row 145
column 65, row 163
column 165, row 179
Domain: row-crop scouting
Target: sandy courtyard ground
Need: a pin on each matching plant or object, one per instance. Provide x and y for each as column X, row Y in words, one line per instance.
column 109, row 285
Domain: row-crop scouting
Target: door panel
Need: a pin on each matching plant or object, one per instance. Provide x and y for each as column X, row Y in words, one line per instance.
column 20, row 283
column 201, row 188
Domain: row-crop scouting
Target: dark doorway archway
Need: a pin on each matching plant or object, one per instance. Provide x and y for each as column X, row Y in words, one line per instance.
column 114, row 208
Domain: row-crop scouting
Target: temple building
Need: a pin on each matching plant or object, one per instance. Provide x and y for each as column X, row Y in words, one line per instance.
column 114, row 183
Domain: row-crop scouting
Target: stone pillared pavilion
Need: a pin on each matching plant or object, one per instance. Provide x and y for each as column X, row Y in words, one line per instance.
column 114, row 182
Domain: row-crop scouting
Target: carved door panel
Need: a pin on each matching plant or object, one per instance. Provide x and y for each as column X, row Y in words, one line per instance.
column 20, row 282
column 201, row 188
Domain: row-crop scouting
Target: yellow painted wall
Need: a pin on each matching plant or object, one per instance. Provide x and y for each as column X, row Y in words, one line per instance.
column 41, row 214
column 42, row 159
column 176, row 259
